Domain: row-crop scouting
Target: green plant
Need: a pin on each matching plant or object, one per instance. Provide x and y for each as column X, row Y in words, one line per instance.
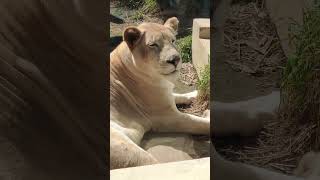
column 184, row 46
column 150, row 6
column 138, row 15
column 203, row 84
column 301, row 77
column 131, row 4
column 146, row 7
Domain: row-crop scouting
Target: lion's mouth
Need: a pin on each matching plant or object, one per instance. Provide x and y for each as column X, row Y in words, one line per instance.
column 172, row 72
column 169, row 70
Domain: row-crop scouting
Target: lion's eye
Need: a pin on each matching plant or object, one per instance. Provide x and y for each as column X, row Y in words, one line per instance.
column 153, row 45
column 173, row 41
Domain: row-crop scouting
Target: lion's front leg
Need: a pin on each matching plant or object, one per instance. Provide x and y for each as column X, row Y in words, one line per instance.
column 125, row 153
column 185, row 98
column 183, row 123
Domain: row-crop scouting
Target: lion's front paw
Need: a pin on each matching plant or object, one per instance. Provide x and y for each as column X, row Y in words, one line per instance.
column 190, row 97
column 186, row 98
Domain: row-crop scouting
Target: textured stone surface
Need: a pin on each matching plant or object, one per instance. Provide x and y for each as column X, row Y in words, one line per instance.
column 171, row 147
column 200, row 46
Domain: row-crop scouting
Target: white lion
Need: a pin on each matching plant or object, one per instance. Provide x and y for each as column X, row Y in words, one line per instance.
column 141, row 94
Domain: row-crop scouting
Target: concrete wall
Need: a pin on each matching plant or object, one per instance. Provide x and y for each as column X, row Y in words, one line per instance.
column 198, row 169
column 200, row 43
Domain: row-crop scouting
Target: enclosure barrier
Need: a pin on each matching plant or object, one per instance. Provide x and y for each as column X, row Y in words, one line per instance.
column 197, row 169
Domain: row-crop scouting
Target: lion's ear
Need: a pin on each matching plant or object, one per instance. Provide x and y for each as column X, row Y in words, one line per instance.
column 172, row 23
column 131, row 36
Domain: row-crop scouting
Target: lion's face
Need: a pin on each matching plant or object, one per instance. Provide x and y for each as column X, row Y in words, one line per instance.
column 159, row 41
column 154, row 44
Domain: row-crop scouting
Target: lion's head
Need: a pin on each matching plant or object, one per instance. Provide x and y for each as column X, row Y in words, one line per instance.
column 153, row 45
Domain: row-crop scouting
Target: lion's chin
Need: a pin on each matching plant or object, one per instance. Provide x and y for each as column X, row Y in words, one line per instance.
column 173, row 76
column 171, row 72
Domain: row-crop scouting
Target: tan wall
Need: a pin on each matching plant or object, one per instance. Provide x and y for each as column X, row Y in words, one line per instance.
column 282, row 13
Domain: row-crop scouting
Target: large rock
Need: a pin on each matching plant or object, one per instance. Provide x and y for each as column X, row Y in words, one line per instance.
column 200, row 43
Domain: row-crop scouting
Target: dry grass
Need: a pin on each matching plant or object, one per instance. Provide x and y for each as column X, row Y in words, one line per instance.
column 301, row 83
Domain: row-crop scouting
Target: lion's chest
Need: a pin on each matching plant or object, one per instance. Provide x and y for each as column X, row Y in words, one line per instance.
column 158, row 98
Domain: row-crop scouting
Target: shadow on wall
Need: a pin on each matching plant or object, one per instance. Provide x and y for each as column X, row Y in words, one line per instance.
column 185, row 11
column 116, row 20
column 185, row 8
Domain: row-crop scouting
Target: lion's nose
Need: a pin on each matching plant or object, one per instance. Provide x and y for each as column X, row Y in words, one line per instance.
column 174, row 60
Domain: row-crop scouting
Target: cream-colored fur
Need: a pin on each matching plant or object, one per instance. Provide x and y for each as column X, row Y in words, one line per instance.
column 142, row 69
